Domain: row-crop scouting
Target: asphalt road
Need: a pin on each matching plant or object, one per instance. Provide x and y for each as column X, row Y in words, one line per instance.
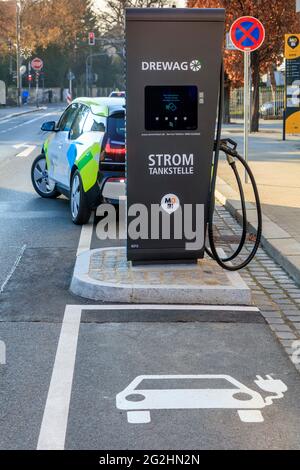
column 65, row 366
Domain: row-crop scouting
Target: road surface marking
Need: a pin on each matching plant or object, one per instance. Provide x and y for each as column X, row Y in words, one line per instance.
column 28, row 150
column 138, row 399
column 55, row 420
column 56, row 413
column 14, row 267
column 86, row 236
column 26, row 122
column 2, row 353
column 171, row 307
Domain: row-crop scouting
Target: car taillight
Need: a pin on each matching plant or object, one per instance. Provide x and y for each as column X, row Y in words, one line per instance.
column 111, row 149
column 116, row 180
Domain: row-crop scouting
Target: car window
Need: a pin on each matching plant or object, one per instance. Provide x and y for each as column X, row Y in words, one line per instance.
column 117, row 94
column 78, row 123
column 95, row 123
column 67, row 118
column 116, row 127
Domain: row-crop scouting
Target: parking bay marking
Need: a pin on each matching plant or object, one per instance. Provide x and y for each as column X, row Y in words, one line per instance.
column 86, row 236
column 55, row 418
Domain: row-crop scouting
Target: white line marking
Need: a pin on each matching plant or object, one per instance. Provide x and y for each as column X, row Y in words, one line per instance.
column 171, row 307
column 25, row 123
column 55, row 420
column 86, row 236
column 28, row 150
column 14, row 267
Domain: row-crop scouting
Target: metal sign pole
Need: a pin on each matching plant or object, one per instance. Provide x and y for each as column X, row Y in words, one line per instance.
column 29, row 81
column 70, row 83
column 285, row 102
column 37, row 89
column 247, row 34
column 246, row 108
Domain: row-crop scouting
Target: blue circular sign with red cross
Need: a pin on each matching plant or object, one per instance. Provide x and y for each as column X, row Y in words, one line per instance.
column 247, row 33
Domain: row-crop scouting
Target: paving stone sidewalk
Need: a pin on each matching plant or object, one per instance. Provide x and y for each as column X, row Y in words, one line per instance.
column 276, row 166
column 274, row 291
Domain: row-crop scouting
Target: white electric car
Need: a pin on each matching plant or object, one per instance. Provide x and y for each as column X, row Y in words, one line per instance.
column 84, row 156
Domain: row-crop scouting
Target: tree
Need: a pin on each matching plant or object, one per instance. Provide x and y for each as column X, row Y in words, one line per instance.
column 278, row 17
column 57, row 22
column 113, row 16
column 7, row 12
column 57, row 30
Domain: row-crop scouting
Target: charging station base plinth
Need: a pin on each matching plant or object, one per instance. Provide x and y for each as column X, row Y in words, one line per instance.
column 105, row 275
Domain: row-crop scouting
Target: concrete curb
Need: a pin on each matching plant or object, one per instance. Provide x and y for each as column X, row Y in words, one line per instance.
column 236, row 292
column 22, row 113
column 278, row 243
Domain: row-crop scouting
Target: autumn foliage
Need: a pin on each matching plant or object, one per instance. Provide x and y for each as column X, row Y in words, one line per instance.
column 45, row 22
column 278, row 17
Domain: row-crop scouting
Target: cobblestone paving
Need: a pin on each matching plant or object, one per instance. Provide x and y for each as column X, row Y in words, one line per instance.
column 112, row 264
column 274, row 292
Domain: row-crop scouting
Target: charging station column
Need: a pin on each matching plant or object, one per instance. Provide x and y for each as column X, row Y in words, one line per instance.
column 173, row 71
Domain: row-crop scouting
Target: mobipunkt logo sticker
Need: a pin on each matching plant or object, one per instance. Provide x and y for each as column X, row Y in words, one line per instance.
column 170, row 203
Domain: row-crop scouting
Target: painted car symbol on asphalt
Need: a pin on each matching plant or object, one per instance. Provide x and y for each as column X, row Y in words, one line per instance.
column 138, row 398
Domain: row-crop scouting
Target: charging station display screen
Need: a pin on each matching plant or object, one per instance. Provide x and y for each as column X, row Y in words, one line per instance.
column 170, row 108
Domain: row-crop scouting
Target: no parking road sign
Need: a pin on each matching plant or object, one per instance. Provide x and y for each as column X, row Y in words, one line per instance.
column 247, row 33
column 37, row 64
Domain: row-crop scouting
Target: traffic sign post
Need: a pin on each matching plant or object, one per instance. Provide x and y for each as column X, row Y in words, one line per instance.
column 37, row 78
column 247, row 34
column 246, row 108
column 71, row 77
column 29, row 77
column 37, row 65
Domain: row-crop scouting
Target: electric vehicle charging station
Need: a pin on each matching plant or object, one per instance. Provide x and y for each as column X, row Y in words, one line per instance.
column 174, row 65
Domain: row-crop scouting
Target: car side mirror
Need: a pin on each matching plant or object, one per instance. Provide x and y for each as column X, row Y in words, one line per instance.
column 49, row 126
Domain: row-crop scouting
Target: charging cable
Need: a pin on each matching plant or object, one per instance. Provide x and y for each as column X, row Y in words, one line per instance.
column 228, row 147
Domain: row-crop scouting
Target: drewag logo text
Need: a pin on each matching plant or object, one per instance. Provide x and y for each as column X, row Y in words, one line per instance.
column 169, row 66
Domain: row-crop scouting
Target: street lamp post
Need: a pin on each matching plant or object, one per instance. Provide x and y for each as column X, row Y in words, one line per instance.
column 18, row 44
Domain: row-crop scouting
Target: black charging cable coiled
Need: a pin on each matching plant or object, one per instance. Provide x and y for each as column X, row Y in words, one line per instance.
column 228, row 147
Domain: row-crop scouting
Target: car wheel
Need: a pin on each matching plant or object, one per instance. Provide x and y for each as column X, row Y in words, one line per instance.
column 40, row 180
column 80, row 209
